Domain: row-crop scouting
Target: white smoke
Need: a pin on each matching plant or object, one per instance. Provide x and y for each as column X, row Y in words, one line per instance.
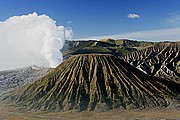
column 31, row 40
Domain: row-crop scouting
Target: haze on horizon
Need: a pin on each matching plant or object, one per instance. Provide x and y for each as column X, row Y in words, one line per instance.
column 142, row 20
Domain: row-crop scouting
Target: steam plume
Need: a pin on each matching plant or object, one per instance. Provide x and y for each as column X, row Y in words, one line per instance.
column 31, row 40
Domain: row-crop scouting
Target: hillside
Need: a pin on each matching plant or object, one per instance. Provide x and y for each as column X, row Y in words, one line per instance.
column 161, row 60
column 13, row 79
column 95, row 82
column 104, row 46
column 153, row 58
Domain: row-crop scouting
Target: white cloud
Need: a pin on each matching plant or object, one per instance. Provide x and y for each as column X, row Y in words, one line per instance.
column 171, row 34
column 69, row 22
column 31, row 40
column 133, row 16
column 173, row 17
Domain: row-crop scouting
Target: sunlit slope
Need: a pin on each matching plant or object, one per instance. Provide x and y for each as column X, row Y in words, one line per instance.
column 161, row 60
column 95, row 82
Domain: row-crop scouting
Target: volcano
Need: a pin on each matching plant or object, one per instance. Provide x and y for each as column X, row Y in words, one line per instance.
column 96, row 82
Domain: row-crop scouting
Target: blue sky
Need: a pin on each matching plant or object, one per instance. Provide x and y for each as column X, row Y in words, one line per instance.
column 104, row 18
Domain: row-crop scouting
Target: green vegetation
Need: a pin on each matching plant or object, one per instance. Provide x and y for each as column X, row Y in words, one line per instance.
column 105, row 46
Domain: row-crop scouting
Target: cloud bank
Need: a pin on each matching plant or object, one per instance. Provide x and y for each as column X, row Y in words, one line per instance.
column 133, row 16
column 168, row 34
column 31, row 40
column 174, row 18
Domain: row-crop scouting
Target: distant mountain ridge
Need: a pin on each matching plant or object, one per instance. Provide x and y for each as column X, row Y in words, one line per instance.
column 104, row 46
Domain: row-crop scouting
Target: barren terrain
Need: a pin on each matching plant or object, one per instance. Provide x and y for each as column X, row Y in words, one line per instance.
column 11, row 113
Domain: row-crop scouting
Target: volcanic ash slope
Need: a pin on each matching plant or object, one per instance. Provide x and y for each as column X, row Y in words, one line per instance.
column 11, row 80
column 96, row 82
column 161, row 60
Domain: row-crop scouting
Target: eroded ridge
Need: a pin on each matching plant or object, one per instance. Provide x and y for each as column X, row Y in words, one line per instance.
column 161, row 60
